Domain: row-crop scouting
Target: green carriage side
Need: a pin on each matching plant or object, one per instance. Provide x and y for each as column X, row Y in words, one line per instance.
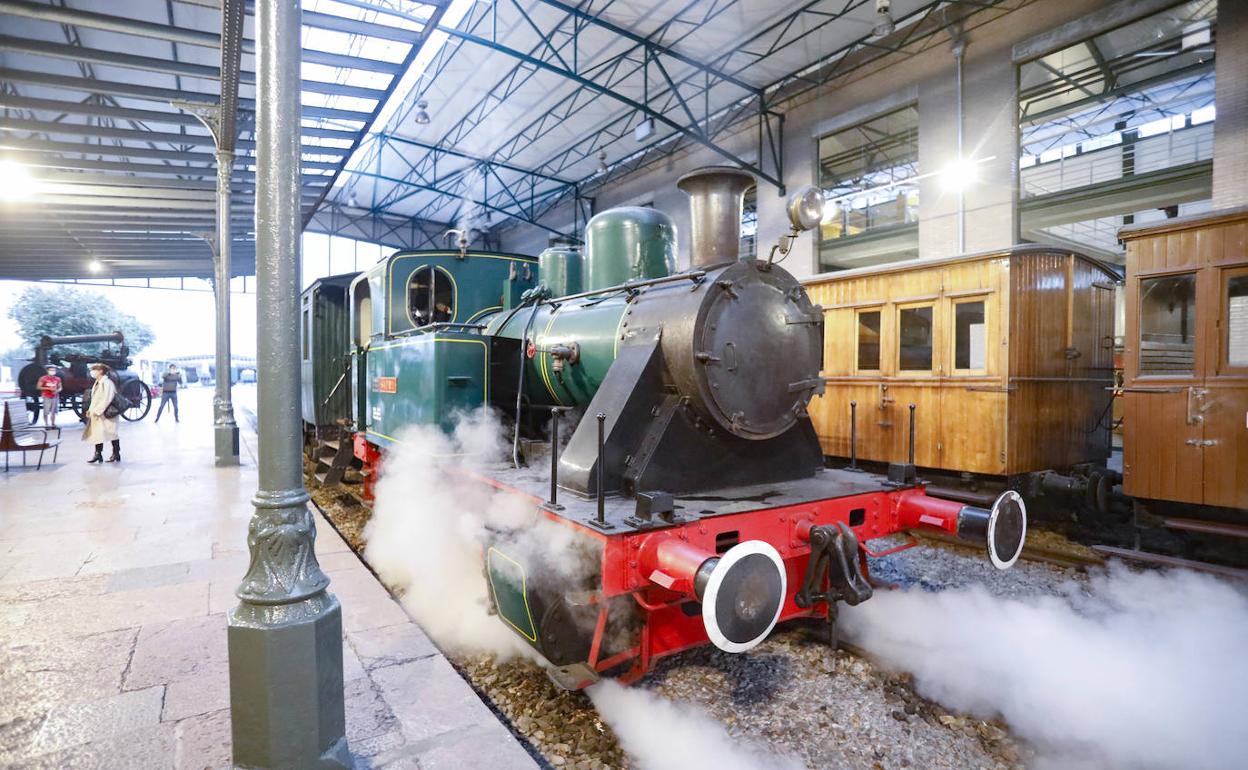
column 325, row 355
column 419, row 355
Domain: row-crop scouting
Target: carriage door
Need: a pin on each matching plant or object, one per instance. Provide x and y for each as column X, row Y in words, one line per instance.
column 1164, row 430
column 1223, row 401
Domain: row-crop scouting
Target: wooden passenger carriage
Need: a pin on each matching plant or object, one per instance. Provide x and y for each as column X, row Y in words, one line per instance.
column 1006, row 355
column 1186, row 360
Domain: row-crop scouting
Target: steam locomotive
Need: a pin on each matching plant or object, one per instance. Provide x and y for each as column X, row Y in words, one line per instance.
column 693, row 474
column 76, row 378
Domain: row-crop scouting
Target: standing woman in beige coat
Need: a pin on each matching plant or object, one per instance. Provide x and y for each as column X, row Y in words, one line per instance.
column 99, row 427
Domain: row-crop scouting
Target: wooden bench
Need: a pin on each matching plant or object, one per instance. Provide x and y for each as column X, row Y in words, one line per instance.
column 18, row 435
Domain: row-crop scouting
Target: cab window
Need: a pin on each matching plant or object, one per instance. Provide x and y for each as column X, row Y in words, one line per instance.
column 430, row 297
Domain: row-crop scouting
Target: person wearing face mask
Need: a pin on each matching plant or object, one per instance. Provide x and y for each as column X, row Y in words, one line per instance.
column 100, row 426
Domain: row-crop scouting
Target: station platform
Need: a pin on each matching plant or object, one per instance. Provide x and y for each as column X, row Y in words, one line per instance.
column 115, row 581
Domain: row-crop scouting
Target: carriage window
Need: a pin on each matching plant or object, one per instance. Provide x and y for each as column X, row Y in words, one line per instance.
column 430, row 297
column 869, row 340
column 1237, row 320
column 1168, row 324
column 307, row 322
column 970, row 344
column 915, row 349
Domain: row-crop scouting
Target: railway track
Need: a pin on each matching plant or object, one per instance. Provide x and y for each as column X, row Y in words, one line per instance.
column 1059, row 558
column 1098, row 555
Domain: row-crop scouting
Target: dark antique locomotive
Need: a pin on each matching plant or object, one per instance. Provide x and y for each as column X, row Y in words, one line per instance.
column 76, row 378
column 693, row 475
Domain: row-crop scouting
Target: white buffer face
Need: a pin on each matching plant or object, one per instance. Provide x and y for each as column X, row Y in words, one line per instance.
column 1007, row 530
column 744, row 596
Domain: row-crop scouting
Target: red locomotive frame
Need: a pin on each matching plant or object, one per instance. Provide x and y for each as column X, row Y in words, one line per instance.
column 630, row 561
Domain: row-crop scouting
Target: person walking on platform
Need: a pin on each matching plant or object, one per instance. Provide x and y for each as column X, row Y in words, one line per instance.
column 169, row 391
column 49, row 387
column 101, row 419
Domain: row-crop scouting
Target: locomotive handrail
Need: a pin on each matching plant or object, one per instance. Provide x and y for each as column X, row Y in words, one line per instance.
column 692, row 275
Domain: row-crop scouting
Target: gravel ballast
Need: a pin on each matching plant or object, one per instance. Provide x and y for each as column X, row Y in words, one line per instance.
column 791, row 695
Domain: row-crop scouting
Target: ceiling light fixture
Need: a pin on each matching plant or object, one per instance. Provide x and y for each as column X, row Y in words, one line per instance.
column 960, row 174
column 422, row 114
column 16, row 182
column 95, row 266
column 602, row 161
column 884, row 24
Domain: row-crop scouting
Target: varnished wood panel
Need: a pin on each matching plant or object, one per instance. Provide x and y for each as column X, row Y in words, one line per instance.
column 1060, row 362
column 1226, row 458
column 1190, row 445
column 1158, row 460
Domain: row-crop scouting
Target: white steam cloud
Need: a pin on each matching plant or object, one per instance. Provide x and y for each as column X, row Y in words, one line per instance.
column 428, row 527
column 663, row 735
column 1134, row 670
column 425, row 540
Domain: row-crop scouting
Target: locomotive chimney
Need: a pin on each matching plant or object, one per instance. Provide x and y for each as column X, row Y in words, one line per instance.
column 716, row 195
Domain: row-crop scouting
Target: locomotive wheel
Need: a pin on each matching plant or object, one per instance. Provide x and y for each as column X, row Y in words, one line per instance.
column 140, row 398
column 75, row 403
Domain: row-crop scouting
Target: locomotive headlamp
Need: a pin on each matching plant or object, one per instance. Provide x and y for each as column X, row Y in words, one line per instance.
column 805, row 208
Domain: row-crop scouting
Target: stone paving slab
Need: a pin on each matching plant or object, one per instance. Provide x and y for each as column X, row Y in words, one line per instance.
column 114, row 589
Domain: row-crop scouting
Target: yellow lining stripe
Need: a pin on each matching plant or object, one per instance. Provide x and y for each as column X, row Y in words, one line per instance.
column 524, row 592
column 482, row 312
column 544, row 362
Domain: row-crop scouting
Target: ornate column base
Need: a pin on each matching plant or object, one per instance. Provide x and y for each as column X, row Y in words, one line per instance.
column 225, row 434
column 286, row 684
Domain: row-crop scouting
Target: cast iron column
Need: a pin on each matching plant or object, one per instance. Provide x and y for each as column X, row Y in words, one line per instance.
column 224, row 428
column 285, row 636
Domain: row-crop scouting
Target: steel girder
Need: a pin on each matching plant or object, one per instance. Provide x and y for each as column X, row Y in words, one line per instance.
column 483, row 172
column 333, row 218
column 639, row 66
column 114, row 206
column 203, row 71
column 161, row 95
column 183, row 35
column 916, row 32
column 412, row 53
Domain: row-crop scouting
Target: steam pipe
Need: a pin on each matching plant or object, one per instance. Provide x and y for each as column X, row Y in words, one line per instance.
column 691, row 275
column 46, row 343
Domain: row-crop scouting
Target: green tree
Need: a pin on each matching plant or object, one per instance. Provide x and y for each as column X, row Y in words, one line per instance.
column 63, row 312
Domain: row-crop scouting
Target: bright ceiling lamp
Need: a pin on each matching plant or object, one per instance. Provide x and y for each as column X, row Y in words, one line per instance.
column 959, row 174
column 16, row 182
column 95, row 266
